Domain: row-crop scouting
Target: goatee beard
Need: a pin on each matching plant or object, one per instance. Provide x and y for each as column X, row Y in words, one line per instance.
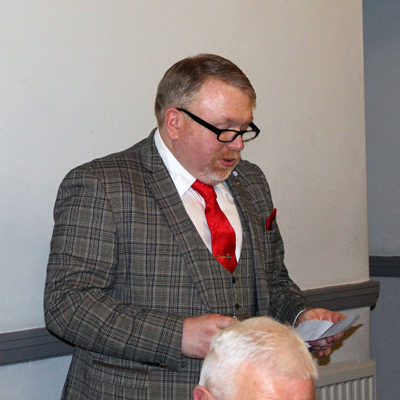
column 220, row 175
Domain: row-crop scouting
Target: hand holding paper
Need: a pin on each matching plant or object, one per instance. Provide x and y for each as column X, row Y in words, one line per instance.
column 322, row 316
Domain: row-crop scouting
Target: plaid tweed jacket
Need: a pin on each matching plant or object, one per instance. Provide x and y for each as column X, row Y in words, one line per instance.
column 127, row 265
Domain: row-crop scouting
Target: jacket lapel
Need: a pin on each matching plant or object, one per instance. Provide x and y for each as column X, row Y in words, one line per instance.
column 189, row 241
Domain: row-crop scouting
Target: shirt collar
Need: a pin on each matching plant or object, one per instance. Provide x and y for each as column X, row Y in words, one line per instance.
column 182, row 179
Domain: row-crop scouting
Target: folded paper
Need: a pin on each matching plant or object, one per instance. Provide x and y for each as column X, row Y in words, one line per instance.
column 319, row 329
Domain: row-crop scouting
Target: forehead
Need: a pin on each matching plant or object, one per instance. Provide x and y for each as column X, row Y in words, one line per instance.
column 213, row 87
column 218, row 97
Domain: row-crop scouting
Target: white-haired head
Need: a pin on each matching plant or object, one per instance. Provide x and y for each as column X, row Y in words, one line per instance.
column 259, row 341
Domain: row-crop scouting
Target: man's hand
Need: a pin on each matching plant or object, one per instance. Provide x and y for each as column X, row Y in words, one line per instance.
column 198, row 331
column 323, row 346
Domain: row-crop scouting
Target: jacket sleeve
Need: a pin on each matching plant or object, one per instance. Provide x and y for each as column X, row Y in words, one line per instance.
column 286, row 298
column 79, row 304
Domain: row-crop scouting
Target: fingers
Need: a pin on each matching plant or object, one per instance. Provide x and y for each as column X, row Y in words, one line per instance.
column 335, row 338
column 324, row 353
column 324, row 346
column 320, row 313
column 337, row 316
column 319, row 344
column 198, row 332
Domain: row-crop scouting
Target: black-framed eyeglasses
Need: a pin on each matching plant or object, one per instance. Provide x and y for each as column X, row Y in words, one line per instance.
column 225, row 135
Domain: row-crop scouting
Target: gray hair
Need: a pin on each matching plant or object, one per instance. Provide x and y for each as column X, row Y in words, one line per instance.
column 261, row 341
column 185, row 78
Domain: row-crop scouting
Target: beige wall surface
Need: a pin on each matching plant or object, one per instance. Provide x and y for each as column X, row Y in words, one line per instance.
column 78, row 81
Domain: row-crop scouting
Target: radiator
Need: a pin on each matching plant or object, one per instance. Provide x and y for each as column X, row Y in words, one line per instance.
column 346, row 381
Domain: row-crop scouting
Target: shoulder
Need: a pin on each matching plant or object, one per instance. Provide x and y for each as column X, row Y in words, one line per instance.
column 119, row 166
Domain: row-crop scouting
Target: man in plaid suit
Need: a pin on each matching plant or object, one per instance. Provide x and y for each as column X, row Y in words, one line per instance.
column 131, row 280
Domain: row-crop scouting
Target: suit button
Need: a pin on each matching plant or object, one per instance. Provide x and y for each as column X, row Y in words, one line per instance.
column 233, row 280
column 183, row 364
column 237, row 306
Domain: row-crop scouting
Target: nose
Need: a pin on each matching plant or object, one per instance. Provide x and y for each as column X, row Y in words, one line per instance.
column 237, row 144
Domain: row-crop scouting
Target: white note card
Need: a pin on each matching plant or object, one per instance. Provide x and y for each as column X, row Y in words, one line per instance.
column 318, row 329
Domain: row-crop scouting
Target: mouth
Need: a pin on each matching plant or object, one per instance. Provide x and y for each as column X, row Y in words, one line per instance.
column 229, row 162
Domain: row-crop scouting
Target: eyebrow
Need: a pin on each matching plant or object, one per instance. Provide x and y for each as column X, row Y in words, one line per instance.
column 231, row 122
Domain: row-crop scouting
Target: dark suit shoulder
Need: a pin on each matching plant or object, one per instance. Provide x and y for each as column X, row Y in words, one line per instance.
column 114, row 159
column 122, row 166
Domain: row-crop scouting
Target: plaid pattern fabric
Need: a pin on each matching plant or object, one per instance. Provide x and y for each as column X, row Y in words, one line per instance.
column 127, row 265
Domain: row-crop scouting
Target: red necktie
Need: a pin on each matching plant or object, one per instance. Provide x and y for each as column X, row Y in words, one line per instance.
column 223, row 237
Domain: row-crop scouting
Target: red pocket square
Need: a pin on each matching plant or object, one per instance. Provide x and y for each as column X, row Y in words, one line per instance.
column 271, row 219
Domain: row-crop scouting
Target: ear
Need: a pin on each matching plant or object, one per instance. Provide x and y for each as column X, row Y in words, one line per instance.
column 201, row 393
column 173, row 122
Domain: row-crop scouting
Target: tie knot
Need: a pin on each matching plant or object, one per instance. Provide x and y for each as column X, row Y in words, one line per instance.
column 206, row 191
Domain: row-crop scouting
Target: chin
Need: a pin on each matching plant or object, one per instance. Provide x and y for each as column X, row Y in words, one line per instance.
column 214, row 177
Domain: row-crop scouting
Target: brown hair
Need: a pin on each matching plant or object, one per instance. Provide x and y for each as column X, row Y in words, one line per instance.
column 185, row 78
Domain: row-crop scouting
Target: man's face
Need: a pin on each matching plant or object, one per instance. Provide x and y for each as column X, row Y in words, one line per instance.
column 196, row 147
column 253, row 383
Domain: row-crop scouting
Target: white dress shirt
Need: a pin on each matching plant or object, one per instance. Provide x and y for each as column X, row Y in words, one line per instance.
column 194, row 202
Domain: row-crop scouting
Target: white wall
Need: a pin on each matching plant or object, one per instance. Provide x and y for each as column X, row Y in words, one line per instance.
column 78, row 81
